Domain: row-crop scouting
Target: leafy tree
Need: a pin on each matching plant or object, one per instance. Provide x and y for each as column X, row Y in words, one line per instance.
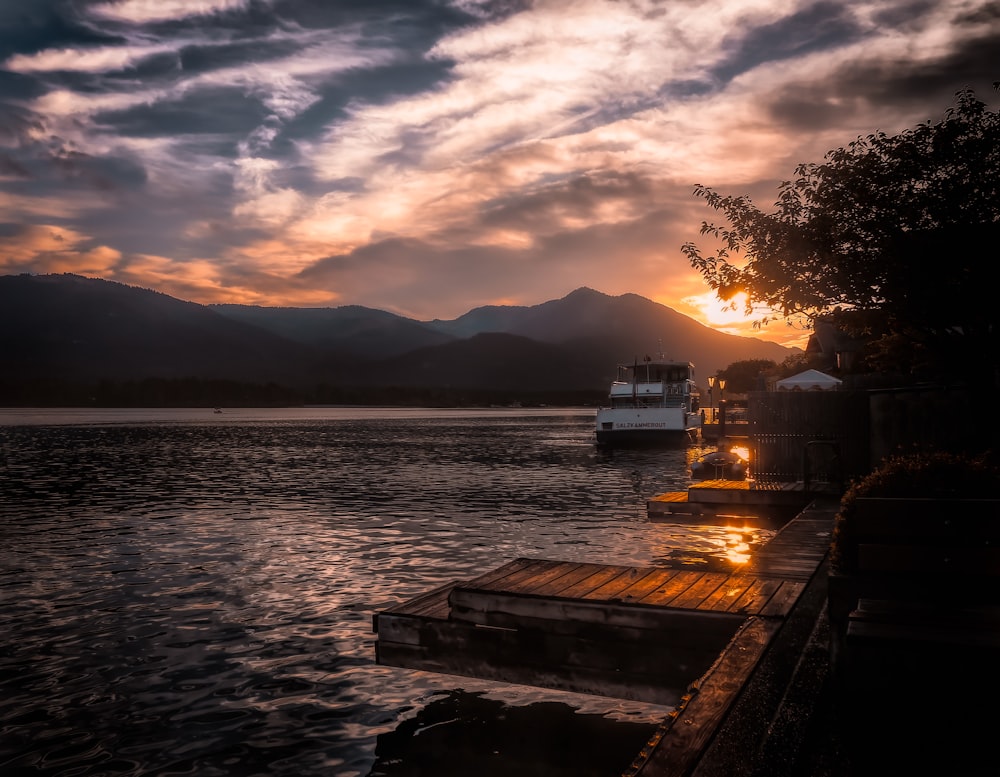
column 742, row 376
column 894, row 238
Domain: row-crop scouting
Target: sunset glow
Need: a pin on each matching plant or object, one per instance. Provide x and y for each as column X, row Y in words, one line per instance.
column 443, row 155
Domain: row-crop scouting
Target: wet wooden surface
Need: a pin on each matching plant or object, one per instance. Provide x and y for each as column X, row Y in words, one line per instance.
column 644, row 633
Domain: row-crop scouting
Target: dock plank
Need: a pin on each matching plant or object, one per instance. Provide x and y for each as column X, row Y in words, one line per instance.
column 426, row 604
column 495, row 576
column 592, row 582
column 781, row 602
column 499, row 609
column 695, row 596
column 732, row 590
column 526, row 577
column 756, row 596
column 672, row 588
column 616, row 587
column 565, row 582
column 690, row 729
column 535, row 576
column 578, row 626
column 646, row 584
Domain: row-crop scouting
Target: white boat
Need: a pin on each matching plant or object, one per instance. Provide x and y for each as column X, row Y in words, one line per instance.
column 653, row 402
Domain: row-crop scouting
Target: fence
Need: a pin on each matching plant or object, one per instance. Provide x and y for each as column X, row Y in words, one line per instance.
column 816, row 437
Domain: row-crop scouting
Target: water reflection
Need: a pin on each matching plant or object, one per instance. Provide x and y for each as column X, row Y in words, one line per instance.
column 459, row 734
column 195, row 596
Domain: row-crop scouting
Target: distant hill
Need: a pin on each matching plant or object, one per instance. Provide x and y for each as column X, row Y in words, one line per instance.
column 591, row 327
column 352, row 329
column 597, row 327
column 490, row 360
column 70, row 329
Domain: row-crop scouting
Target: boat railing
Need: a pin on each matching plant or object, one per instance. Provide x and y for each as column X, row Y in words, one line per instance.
column 629, row 401
column 619, row 388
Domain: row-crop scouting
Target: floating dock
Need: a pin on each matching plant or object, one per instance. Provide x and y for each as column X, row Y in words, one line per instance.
column 770, row 503
column 641, row 633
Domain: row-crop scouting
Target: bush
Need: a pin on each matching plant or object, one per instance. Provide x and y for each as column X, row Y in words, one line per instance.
column 934, row 475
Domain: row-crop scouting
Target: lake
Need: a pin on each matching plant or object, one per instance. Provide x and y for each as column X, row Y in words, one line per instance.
column 186, row 592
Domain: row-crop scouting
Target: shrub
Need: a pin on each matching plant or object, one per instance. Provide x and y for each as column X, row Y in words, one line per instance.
column 929, row 475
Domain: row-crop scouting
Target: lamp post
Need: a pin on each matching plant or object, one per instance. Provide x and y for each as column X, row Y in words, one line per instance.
column 711, row 385
column 722, row 409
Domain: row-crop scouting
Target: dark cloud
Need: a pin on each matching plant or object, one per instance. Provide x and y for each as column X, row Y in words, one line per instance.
column 27, row 26
column 904, row 15
column 54, row 162
column 16, row 88
column 578, row 198
column 822, row 26
column 195, row 58
column 377, row 84
column 435, row 16
column 208, row 110
column 984, row 14
column 860, row 87
column 447, row 152
column 11, row 167
column 18, row 125
column 974, row 65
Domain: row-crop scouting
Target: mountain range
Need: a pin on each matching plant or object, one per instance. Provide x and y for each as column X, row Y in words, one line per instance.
column 71, row 329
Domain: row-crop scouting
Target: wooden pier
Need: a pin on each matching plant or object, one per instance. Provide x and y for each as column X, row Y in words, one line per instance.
column 687, row 639
column 766, row 504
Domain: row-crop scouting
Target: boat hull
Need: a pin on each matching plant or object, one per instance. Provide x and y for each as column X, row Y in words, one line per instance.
column 646, row 426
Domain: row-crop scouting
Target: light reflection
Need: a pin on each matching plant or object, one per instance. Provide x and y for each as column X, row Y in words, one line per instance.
column 742, row 451
column 737, row 549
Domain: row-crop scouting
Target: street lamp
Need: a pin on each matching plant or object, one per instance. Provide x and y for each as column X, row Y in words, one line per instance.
column 711, row 385
column 722, row 409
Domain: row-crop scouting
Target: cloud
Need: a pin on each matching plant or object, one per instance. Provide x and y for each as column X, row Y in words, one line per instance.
column 98, row 60
column 424, row 156
column 45, row 248
column 143, row 11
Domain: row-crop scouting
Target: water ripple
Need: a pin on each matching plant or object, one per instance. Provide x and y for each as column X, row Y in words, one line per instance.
column 196, row 598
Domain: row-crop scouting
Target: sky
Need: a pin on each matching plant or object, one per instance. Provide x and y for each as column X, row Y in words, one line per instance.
column 427, row 157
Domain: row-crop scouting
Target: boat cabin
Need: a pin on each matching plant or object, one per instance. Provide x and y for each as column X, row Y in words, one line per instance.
column 654, row 384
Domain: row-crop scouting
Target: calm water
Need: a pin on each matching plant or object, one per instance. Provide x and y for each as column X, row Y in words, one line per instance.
column 191, row 593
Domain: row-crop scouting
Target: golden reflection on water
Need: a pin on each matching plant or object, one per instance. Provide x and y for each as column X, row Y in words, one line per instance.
column 737, row 548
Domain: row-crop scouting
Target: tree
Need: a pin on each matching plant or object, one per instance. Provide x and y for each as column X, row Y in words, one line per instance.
column 894, row 238
column 744, row 376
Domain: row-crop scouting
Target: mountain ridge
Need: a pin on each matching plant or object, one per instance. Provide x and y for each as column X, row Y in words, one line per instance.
column 85, row 330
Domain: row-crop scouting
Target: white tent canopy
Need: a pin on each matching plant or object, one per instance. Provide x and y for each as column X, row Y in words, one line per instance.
column 810, row 380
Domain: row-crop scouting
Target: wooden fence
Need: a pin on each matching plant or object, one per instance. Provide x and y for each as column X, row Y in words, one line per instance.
column 816, row 436
column 837, row 436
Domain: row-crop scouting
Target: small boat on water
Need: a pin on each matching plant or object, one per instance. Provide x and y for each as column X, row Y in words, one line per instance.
column 719, row 465
column 654, row 402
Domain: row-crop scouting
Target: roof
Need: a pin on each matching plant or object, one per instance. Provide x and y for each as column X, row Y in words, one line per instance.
column 810, row 380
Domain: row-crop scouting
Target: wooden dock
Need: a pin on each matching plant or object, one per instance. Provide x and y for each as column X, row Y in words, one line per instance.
column 765, row 503
column 676, row 637
column 724, row 721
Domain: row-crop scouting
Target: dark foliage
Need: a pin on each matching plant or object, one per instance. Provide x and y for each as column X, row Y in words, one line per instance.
column 894, row 237
column 930, row 474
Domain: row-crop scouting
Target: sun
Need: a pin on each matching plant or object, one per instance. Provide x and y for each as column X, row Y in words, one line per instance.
column 730, row 318
column 719, row 314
